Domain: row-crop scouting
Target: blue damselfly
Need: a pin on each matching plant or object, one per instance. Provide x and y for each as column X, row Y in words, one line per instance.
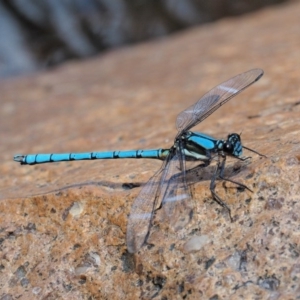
column 168, row 188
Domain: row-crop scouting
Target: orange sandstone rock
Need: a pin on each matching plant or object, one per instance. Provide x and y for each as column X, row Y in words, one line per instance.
column 63, row 225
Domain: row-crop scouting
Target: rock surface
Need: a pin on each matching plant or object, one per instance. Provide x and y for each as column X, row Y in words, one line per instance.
column 63, row 225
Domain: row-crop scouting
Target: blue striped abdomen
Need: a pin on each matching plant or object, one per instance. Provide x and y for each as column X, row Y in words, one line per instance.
column 32, row 159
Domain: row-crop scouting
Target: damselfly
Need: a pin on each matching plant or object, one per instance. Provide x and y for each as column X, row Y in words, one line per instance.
column 168, row 188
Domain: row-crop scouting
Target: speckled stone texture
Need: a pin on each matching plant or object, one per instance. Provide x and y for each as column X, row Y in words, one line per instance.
column 67, row 241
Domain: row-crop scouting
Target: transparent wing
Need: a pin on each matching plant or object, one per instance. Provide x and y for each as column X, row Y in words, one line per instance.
column 168, row 186
column 176, row 195
column 141, row 212
column 215, row 98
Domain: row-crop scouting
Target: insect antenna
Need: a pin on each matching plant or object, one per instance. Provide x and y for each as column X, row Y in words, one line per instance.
column 254, row 151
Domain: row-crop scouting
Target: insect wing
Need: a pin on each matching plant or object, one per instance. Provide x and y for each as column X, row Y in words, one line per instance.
column 141, row 213
column 215, row 98
column 176, row 195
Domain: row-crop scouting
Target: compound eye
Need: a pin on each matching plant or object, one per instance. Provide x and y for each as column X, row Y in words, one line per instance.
column 228, row 147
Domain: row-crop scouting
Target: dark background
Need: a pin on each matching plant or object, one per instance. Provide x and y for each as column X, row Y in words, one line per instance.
column 37, row 34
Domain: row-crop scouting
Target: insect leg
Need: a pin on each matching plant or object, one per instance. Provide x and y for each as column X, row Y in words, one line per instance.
column 221, row 176
column 219, row 169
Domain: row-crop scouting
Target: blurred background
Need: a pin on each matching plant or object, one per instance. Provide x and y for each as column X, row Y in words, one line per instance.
column 38, row 34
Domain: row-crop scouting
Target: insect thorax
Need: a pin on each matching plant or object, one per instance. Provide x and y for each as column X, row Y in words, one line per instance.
column 199, row 146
